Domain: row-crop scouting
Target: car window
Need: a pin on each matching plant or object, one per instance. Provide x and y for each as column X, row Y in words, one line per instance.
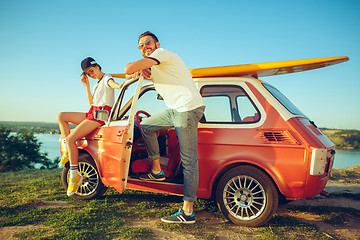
column 220, row 109
column 122, row 99
column 283, row 100
column 149, row 101
column 228, row 104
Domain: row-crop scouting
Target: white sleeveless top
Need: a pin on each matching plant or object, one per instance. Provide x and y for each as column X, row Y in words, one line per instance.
column 103, row 94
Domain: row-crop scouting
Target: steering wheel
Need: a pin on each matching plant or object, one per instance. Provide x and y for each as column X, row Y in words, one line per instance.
column 137, row 118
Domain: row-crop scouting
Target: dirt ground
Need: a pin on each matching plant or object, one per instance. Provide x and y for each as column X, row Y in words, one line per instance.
column 349, row 230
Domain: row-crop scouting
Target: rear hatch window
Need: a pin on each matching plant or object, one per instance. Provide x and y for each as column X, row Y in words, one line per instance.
column 283, row 100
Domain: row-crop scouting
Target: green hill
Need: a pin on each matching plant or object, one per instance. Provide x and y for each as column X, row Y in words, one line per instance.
column 36, row 127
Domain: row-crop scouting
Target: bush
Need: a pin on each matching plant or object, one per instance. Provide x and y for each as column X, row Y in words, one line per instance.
column 348, row 175
column 21, row 150
column 344, row 138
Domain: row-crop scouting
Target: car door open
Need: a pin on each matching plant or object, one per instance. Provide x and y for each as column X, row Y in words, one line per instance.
column 117, row 139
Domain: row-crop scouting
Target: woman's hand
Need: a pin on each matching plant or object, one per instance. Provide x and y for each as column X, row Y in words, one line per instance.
column 85, row 80
column 121, row 85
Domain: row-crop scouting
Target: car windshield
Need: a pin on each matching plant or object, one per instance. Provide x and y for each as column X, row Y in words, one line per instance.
column 283, row 100
column 149, row 101
column 123, row 98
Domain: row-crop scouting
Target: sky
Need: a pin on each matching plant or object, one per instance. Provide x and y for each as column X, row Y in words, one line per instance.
column 42, row 44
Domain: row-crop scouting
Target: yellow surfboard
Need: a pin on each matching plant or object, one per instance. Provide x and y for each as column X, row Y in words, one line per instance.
column 118, row 75
column 266, row 69
column 262, row 69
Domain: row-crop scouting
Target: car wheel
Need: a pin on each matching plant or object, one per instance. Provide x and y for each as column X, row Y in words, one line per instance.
column 91, row 187
column 247, row 196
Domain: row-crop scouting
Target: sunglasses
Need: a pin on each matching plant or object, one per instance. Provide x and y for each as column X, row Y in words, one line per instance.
column 146, row 43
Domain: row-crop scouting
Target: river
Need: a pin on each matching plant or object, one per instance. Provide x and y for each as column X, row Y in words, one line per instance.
column 343, row 158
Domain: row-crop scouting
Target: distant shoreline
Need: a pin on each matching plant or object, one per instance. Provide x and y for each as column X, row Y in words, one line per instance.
column 35, row 127
column 347, row 139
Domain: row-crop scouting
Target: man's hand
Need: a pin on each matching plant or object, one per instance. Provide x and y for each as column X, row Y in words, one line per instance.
column 136, row 75
column 146, row 73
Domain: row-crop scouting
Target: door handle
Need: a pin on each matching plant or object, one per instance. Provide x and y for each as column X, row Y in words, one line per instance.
column 206, row 131
column 129, row 143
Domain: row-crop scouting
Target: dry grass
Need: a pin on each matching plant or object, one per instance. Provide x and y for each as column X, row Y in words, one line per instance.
column 346, row 175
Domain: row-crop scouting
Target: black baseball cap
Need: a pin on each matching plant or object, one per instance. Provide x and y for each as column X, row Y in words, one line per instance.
column 88, row 63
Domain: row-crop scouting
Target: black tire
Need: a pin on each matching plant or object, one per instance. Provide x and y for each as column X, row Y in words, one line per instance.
column 247, row 196
column 91, row 187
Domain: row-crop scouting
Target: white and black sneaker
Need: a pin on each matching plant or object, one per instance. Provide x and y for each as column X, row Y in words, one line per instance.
column 150, row 176
column 179, row 217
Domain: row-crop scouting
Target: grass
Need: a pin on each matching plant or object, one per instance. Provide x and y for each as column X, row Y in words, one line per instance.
column 336, row 216
column 22, row 196
column 346, row 175
column 286, row 227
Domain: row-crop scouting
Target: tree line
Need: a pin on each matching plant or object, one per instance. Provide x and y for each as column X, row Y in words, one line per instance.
column 21, row 150
column 344, row 139
column 36, row 127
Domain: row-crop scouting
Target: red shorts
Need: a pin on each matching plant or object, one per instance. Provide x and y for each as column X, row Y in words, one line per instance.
column 90, row 113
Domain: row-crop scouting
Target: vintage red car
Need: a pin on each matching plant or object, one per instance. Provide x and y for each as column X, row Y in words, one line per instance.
column 255, row 147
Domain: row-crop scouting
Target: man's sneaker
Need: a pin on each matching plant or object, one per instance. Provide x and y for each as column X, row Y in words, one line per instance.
column 179, row 217
column 150, row 176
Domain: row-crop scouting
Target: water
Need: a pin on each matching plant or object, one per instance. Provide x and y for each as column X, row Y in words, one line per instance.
column 343, row 158
column 50, row 144
column 346, row 158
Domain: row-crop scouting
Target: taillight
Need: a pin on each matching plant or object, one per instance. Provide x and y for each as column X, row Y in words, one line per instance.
column 318, row 161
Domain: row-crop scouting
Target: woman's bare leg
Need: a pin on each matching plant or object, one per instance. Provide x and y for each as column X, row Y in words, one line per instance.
column 83, row 129
column 64, row 118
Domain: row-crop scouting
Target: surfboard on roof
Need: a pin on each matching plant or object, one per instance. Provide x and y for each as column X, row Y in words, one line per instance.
column 262, row 69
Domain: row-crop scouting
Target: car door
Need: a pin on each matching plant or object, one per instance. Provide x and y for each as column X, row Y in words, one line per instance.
column 115, row 141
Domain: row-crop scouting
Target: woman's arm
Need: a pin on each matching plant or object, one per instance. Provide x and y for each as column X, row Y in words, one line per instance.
column 86, row 82
column 113, row 84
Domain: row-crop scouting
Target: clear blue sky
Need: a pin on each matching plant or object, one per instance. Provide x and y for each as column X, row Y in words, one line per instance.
column 43, row 42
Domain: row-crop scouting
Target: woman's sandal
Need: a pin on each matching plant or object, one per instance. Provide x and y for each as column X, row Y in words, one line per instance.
column 74, row 184
column 64, row 159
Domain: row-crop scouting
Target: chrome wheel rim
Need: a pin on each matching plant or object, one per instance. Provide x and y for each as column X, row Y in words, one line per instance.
column 90, row 179
column 244, row 197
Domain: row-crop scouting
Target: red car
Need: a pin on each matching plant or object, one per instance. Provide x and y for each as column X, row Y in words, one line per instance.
column 255, row 147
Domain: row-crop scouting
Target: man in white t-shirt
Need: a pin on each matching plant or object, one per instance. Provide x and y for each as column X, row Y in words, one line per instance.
column 173, row 81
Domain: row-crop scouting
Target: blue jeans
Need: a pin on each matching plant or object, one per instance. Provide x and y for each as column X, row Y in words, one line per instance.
column 185, row 124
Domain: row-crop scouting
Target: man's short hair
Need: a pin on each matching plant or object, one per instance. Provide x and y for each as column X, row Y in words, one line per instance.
column 149, row 34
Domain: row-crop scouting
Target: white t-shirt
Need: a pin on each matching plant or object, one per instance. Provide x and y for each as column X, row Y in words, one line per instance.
column 103, row 94
column 173, row 81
